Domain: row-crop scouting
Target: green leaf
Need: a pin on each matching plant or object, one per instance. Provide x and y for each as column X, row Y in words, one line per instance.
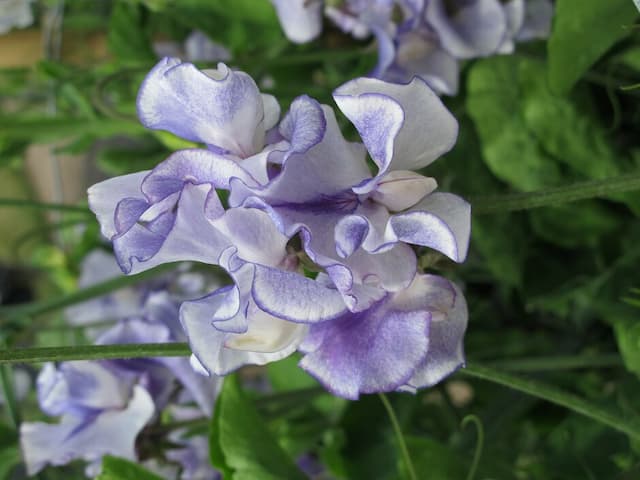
column 436, row 461
column 574, row 225
column 627, row 330
column 114, row 468
column 128, row 39
column 242, row 444
column 583, row 31
column 509, row 148
column 9, row 458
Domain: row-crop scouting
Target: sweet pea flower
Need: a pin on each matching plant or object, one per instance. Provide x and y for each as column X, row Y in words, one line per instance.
column 306, row 180
column 101, row 415
column 158, row 322
column 173, row 213
column 355, row 225
column 410, row 339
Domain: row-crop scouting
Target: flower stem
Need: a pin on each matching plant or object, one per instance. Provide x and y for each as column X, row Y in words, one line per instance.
column 399, row 436
column 6, row 381
column 94, row 352
column 555, row 196
column 629, row 426
column 479, row 446
column 23, row 203
column 556, row 362
column 97, row 290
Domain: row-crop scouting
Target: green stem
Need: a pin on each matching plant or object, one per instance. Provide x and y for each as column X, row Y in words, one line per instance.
column 97, row 290
column 18, row 202
column 399, row 436
column 559, row 362
column 554, row 395
column 318, row 56
column 6, row 381
column 94, row 352
column 479, row 445
column 555, row 196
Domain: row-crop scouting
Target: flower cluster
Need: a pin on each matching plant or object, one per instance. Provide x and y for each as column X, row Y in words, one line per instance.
column 105, row 405
column 427, row 38
column 320, row 249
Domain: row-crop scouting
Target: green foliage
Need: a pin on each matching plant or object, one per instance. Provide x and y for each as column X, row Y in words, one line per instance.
column 114, row 468
column 241, row 444
column 583, row 31
column 128, row 39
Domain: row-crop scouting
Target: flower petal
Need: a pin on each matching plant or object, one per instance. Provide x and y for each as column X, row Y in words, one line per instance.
column 105, row 196
column 441, row 221
column 301, row 20
column 186, row 235
column 474, row 29
column 221, row 108
column 448, row 324
column 372, row 351
column 405, row 127
column 293, row 297
column 112, row 432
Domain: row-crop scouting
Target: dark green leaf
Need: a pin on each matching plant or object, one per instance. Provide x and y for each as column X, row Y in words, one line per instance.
column 583, row 31
column 128, row 39
column 114, row 468
column 242, row 444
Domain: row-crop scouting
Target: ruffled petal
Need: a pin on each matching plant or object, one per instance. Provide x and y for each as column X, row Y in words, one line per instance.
column 419, row 53
column 221, row 108
column 377, row 350
column 301, row 20
column 468, row 29
column 222, row 344
column 318, row 163
column 105, row 196
column 79, row 387
column 186, row 235
column 405, row 127
column 293, row 297
column 448, row 325
column 195, row 166
column 441, row 221
column 111, row 432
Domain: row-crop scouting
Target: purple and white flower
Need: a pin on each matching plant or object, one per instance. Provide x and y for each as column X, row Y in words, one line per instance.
column 102, row 414
column 355, row 225
column 426, row 38
column 303, row 179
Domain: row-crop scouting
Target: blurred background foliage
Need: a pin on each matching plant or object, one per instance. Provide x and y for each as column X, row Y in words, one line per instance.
column 553, row 292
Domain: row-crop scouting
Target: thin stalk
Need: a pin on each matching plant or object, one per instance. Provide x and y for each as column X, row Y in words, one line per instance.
column 398, row 431
column 552, row 394
column 559, row 362
column 6, row 381
column 22, row 203
column 97, row 290
column 93, row 352
column 318, row 56
column 555, row 196
column 479, row 445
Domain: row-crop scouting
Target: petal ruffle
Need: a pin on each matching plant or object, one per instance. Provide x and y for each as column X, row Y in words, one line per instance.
column 112, row 432
column 377, row 350
column 448, row 325
column 220, row 108
column 474, row 29
column 405, row 127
